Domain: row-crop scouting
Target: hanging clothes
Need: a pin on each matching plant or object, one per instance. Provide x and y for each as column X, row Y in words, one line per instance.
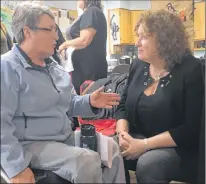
column 6, row 42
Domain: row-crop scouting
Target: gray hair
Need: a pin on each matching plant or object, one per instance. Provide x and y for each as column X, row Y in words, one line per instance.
column 27, row 14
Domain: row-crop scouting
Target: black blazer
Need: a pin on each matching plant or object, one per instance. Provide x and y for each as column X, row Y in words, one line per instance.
column 183, row 98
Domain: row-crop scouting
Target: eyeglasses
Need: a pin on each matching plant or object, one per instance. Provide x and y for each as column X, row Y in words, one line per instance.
column 54, row 29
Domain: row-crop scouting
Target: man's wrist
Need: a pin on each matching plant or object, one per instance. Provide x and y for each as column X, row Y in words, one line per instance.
column 94, row 109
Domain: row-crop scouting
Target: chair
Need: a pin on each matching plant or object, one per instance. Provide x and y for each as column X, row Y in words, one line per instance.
column 201, row 165
column 41, row 177
column 121, row 69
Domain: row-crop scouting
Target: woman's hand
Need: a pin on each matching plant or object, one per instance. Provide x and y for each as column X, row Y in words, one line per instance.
column 62, row 47
column 136, row 146
column 124, row 145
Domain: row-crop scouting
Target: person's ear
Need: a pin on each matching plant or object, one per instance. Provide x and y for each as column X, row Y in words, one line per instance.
column 27, row 32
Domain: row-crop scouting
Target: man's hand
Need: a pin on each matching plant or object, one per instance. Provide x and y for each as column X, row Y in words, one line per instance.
column 135, row 149
column 100, row 99
column 25, row 176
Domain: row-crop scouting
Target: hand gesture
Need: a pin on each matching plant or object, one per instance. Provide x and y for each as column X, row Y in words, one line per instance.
column 99, row 99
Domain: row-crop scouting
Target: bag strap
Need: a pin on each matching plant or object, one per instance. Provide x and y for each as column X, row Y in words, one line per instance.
column 83, row 92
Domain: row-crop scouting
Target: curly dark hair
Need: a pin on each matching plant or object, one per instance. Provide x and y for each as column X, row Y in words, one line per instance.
column 171, row 36
column 96, row 3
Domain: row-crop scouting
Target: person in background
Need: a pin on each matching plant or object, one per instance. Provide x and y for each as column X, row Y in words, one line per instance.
column 60, row 41
column 88, row 35
column 159, row 116
column 37, row 100
column 6, row 42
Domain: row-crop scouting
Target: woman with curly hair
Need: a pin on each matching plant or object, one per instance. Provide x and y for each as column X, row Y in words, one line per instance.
column 159, row 116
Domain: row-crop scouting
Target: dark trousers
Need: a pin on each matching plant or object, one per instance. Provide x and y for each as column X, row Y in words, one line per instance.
column 155, row 166
column 162, row 165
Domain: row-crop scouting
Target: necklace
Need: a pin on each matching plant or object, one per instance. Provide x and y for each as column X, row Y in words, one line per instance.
column 158, row 74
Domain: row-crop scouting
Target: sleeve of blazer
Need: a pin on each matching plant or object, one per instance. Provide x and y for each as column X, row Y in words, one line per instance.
column 187, row 134
column 121, row 112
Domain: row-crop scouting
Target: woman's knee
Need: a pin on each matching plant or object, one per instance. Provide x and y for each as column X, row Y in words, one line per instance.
column 157, row 166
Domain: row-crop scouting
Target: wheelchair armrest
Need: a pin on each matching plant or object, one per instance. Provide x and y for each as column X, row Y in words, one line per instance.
column 45, row 176
column 4, row 177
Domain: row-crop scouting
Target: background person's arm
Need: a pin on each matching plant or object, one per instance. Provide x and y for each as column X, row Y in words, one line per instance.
column 86, row 37
column 89, row 25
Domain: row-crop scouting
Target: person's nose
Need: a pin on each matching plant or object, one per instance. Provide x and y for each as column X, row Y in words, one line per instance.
column 138, row 42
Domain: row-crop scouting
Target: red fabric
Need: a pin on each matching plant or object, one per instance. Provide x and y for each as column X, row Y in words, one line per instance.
column 105, row 126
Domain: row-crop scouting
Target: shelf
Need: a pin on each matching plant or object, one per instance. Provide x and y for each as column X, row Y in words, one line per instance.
column 198, row 40
column 199, row 49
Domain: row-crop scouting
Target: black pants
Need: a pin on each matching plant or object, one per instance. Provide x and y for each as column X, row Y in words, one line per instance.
column 162, row 166
column 155, row 166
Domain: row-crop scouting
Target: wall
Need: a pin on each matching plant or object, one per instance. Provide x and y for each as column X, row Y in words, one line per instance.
column 132, row 4
column 140, row 5
column 7, row 8
column 67, row 4
column 111, row 4
column 199, row 54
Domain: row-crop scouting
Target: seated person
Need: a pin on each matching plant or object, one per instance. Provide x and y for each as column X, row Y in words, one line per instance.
column 37, row 101
column 58, row 43
column 159, row 115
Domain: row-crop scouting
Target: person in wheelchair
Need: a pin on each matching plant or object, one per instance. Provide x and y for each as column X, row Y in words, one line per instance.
column 37, row 100
column 159, row 116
